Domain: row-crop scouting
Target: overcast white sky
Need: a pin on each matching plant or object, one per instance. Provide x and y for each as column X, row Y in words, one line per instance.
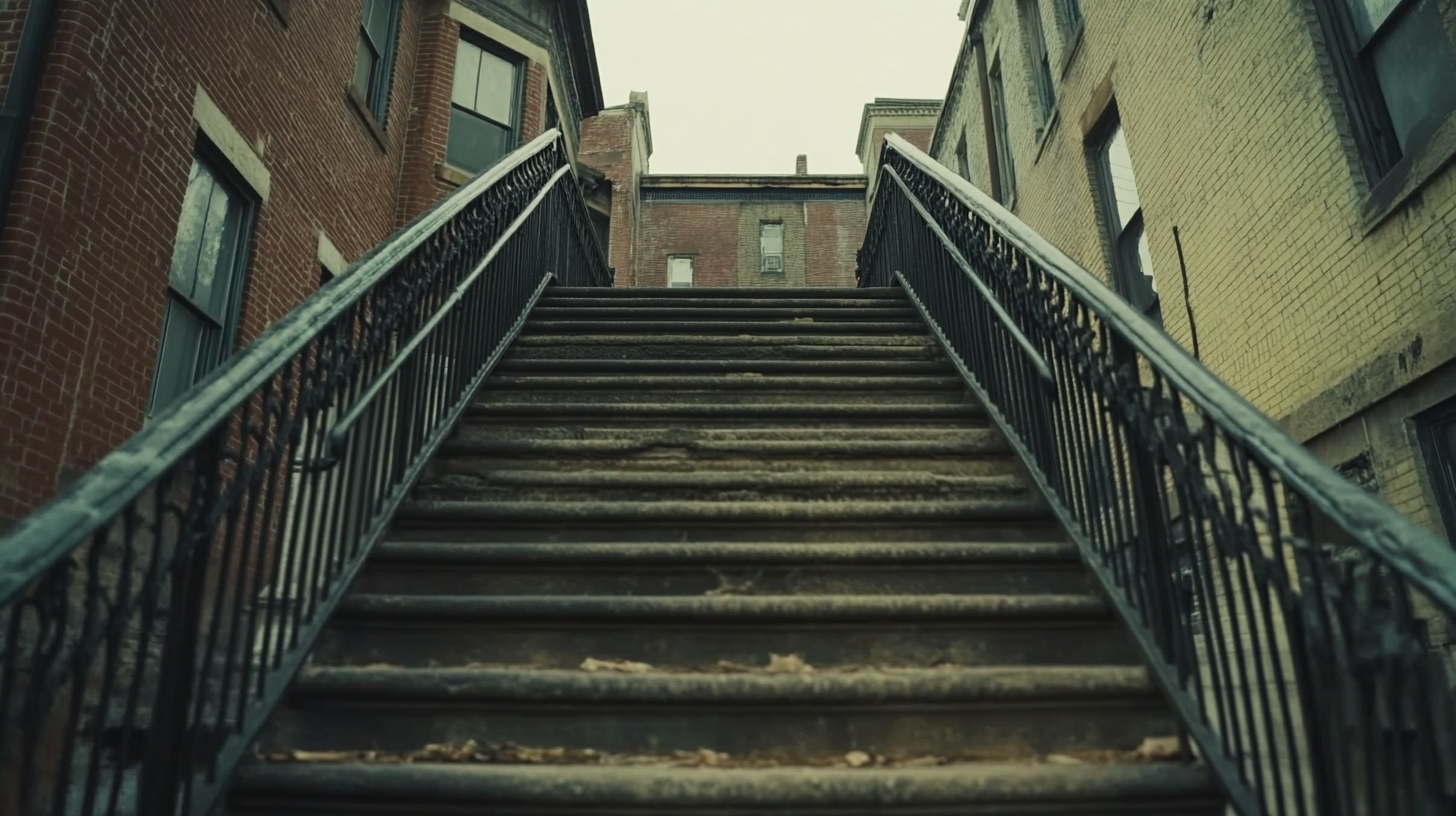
column 743, row 86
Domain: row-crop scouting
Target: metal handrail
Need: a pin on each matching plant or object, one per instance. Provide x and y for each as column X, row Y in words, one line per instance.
column 1302, row 668
column 1043, row 370
column 152, row 615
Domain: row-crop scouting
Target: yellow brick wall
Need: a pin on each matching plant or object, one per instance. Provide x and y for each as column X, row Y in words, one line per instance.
column 1235, row 140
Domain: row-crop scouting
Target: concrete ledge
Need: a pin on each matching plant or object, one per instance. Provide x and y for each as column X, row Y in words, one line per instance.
column 1120, row 788
column 755, row 608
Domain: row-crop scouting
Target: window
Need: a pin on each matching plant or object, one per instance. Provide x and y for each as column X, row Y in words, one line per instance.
column 374, row 62
column 680, row 271
column 1006, row 171
column 1437, row 431
column 1395, row 59
column 1041, row 66
column 483, row 108
column 205, row 286
column 963, row 159
column 1122, row 210
column 1071, row 15
column 553, row 119
column 771, row 248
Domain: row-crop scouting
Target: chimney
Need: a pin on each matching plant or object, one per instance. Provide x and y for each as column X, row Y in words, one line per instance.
column 801, row 165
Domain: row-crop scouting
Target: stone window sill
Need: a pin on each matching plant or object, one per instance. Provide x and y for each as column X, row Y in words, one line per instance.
column 362, row 108
column 1429, row 153
column 452, row 175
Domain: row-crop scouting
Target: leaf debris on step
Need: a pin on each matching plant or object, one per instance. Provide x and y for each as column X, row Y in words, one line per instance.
column 592, row 664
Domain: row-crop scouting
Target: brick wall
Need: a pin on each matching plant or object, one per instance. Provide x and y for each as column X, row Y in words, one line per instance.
column 1231, row 123
column 85, row 253
column 611, row 143
column 820, row 241
column 422, row 182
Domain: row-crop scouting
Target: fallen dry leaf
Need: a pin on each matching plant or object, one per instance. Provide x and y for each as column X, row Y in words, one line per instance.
column 1158, row 748
column 857, row 759
column 787, row 664
column 592, row 664
column 1062, row 759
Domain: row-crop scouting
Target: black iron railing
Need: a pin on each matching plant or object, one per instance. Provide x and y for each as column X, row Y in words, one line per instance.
column 1299, row 660
column 151, row 615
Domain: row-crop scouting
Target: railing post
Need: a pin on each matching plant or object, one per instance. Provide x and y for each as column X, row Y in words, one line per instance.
column 167, row 734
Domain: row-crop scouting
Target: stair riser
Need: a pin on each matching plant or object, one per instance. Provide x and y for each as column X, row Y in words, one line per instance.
column 263, row 804
column 802, row 432
column 705, row 367
column 890, row 349
column 516, row 531
column 952, row 394
column 565, row 644
column 851, row 313
column 460, row 487
column 394, row 577
column 786, row 733
column 725, row 327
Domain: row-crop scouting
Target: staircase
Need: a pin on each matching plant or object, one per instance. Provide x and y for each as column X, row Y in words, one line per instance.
column 724, row 551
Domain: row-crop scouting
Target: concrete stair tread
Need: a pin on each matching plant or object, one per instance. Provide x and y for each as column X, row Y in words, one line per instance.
column 818, row 479
column 744, row 292
column 1000, row 509
column 864, row 310
column 718, row 553
column 865, row 687
column 706, row 609
column 787, row 326
column 668, row 383
column 645, row 297
column 701, row 367
column 735, row 411
column 951, row 788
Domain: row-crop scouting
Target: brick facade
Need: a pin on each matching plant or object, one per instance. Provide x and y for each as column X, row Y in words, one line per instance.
column 86, row 248
column 1324, row 316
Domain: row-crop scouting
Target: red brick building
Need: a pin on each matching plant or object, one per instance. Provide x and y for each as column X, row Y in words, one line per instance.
column 718, row 230
column 192, row 171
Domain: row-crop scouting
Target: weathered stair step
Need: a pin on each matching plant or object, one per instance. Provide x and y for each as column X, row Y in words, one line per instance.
column 863, row 311
column 737, row 346
column 730, row 389
column 647, row 408
column 700, row 367
column 991, row 788
column 744, row 293
column 945, row 510
column 687, row 530
column 475, row 461
column 692, row 484
column 807, row 433
column 788, row 327
column 753, row 568
column 955, row 712
column 699, row 630
column 647, row 298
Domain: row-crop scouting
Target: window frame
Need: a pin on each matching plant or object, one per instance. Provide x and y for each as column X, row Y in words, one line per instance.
column 692, row 261
column 1000, row 135
column 1440, row 464
column 381, row 73
column 518, row 94
column 764, row 254
column 1367, row 113
column 218, row 345
column 1122, row 240
column 1039, row 64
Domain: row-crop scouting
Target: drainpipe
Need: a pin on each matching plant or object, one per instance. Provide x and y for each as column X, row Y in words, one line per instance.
column 25, row 77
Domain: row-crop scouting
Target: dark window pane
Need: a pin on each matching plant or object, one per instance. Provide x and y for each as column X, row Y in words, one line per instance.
column 364, row 62
column 1073, row 12
column 1416, row 69
column 1369, row 14
column 474, row 143
column 1007, row 169
column 376, row 21
column 183, row 340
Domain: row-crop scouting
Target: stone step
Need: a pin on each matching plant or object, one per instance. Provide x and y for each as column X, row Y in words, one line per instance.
column 705, row 367
column 806, row 326
column 955, row 712
column 676, row 512
column 706, row 310
column 1023, row 789
column 728, row 389
column 736, row 346
column 680, row 530
column 801, row 432
column 739, row 293
column 703, row 568
column 470, row 481
column 647, row 408
column 469, row 460
column 700, row 630
column 647, row 298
